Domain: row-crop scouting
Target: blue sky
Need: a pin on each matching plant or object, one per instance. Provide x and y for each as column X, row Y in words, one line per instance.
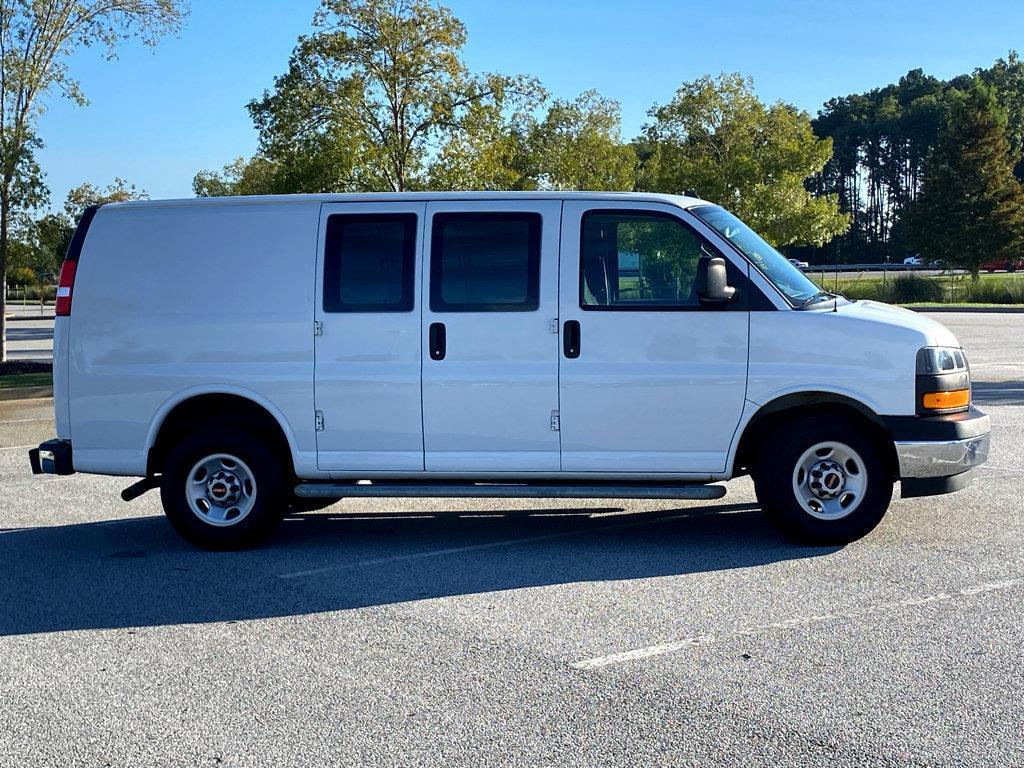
column 159, row 115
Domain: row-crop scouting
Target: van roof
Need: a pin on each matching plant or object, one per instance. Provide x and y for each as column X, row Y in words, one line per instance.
column 682, row 201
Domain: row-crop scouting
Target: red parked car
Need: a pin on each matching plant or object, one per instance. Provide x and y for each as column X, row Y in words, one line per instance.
column 1010, row 265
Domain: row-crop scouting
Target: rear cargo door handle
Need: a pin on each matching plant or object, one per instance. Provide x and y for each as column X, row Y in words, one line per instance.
column 437, row 341
column 571, row 339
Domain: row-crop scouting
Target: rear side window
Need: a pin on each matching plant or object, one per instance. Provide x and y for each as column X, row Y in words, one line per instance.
column 369, row 263
column 485, row 262
column 637, row 260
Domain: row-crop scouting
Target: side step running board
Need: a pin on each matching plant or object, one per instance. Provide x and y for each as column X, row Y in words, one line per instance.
column 511, row 490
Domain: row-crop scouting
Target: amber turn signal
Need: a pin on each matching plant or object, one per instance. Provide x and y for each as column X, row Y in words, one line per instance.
column 951, row 399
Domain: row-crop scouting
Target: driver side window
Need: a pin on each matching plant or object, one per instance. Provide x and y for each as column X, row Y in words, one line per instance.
column 637, row 260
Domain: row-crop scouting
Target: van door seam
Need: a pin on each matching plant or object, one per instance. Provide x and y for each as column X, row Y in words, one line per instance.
column 424, row 293
column 558, row 330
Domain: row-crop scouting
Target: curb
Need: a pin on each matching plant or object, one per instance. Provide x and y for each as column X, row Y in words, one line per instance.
column 25, row 393
column 947, row 308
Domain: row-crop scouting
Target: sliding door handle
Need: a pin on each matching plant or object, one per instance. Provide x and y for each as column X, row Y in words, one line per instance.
column 437, row 341
column 571, row 339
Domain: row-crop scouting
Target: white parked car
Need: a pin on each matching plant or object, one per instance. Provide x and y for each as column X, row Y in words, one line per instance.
column 914, row 261
column 798, row 263
column 254, row 355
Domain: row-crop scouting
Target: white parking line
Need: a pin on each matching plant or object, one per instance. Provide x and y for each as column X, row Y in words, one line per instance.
column 12, row 448
column 20, row 421
column 816, row 619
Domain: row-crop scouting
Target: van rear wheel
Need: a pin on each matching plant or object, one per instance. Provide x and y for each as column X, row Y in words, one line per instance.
column 224, row 489
column 826, row 482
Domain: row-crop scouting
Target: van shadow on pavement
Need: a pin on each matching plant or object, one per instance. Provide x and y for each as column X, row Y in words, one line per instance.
column 137, row 572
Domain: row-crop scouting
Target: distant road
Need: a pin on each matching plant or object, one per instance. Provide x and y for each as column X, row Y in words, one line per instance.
column 877, row 272
column 30, row 339
column 817, row 270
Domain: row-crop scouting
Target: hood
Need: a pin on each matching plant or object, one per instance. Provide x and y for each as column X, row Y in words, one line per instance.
column 936, row 334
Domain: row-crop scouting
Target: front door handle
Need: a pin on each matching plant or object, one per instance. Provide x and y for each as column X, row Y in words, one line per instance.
column 437, row 341
column 571, row 339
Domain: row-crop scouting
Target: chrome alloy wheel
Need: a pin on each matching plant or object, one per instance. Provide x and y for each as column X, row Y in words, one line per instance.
column 830, row 480
column 220, row 489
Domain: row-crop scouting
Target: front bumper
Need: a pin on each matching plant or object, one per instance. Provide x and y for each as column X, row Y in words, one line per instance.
column 52, row 457
column 939, row 460
column 937, row 454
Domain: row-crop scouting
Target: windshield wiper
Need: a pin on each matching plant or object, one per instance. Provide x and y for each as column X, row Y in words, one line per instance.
column 818, row 297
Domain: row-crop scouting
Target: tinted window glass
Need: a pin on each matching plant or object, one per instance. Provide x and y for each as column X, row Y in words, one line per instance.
column 369, row 263
column 637, row 260
column 482, row 262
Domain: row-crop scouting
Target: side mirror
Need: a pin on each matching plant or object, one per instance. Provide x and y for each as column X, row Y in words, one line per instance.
column 713, row 281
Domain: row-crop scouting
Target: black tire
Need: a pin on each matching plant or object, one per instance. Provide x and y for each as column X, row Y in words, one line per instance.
column 270, row 492
column 775, row 473
column 312, row 504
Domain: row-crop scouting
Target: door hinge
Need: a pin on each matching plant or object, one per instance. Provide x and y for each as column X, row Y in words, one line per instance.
column 554, row 325
column 318, row 420
column 556, row 422
column 318, row 328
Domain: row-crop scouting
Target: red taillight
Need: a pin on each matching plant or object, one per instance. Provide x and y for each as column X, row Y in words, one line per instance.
column 65, row 287
column 66, row 284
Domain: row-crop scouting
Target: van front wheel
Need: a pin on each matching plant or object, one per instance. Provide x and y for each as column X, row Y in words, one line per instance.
column 224, row 489
column 826, row 483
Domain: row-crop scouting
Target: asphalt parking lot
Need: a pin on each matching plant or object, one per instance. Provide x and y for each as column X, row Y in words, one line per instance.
column 519, row 632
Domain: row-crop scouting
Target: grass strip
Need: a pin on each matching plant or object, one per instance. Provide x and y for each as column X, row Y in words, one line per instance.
column 41, row 379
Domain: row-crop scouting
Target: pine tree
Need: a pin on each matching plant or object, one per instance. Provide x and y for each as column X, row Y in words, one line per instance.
column 971, row 207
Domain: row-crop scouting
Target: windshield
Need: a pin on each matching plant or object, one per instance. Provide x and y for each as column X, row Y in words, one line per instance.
column 786, row 277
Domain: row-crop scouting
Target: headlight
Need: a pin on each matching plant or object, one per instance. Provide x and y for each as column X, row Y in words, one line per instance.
column 940, row 360
column 943, row 380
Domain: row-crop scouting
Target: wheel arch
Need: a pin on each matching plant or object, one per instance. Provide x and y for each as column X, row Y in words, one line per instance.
column 227, row 404
column 797, row 405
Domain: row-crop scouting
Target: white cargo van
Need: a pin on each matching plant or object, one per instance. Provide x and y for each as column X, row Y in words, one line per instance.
column 254, row 355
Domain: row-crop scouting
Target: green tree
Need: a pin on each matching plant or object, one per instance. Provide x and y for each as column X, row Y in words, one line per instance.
column 971, row 207
column 88, row 194
column 1007, row 77
column 376, row 98
column 22, row 266
column 36, row 39
column 45, row 246
column 718, row 138
column 256, row 176
column 880, row 141
column 578, row 146
column 37, row 249
column 491, row 151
